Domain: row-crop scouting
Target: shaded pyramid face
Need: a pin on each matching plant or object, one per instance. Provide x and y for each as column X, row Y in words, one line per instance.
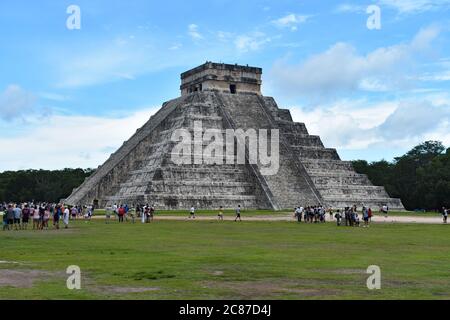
column 143, row 169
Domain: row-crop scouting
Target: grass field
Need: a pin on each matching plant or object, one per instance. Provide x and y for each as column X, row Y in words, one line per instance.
column 211, row 260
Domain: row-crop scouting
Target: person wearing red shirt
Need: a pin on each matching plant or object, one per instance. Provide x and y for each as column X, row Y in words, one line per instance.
column 121, row 213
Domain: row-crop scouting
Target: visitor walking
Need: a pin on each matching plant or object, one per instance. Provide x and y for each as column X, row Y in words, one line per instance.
column 192, row 213
column 220, row 215
column 385, row 211
column 238, row 214
column 56, row 216
column 66, row 218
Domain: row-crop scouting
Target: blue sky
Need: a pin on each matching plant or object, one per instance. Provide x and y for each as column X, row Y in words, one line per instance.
column 69, row 98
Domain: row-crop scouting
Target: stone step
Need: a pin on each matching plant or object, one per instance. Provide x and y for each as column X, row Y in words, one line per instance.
column 189, row 183
column 332, row 180
column 225, row 169
column 297, row 140
column 345, row 192
column 289, row 127
column 304, row 152
column 188, row 121
column 375, row 204
column 328, row 165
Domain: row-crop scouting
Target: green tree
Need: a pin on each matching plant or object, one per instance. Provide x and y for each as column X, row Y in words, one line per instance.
column 420, row 177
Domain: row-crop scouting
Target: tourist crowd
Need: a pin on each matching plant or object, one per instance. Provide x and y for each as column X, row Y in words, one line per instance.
column 349, row 216
column 21, row 216
column 39, row 215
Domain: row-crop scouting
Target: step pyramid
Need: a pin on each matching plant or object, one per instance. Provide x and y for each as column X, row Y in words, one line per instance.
column 224, row 97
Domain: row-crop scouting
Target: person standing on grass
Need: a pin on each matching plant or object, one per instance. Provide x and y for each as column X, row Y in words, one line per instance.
column 220, row 215
column 25, row 217
column 47, row 214
column 338, row 218
column 56, row 216
column 121, row 214
column 10, row 216
column 131, row 213
column 298, row 214
column 366, row 217
column 152, row 213
column 145, row 212
column 74, row 212
column 125, row 207
column 36, row 217
column 370, row 214
column 238, row 213
column 445, row 214
column 192, row 213
column 138, row 210
column 66, row 217
column 4, row 219
column 385, row 210
column 108, row 215
column 17, row 217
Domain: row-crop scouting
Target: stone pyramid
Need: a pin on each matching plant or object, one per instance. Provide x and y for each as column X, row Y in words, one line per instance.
column 223, row 97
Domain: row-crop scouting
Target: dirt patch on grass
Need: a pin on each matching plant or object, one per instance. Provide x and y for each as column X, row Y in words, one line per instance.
column 21, row 278
column 118, row 290
column 348, row 271
column 268, row 289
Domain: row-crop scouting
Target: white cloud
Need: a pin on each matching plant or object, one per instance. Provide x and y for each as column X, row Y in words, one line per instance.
column 352, row 8
column 438, row 76
column 53, row 96
column 69, row 141
column 360, row 125
column 194, row 32
column 15, row 103
column 251, row 42
column 341, row 68
column 291, row 21
column 415, row 6
column 176, row 46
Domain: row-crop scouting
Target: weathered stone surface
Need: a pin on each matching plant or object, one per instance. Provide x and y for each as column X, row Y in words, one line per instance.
column 142, row 171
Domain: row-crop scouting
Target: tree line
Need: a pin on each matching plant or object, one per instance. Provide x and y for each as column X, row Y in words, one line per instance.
column 420, row 178
column 40, row 185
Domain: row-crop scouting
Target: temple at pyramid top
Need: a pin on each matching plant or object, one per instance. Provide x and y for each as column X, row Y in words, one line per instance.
column 221, row 77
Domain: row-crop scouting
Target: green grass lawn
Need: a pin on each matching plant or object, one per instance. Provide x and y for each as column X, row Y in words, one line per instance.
column 212, row 260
